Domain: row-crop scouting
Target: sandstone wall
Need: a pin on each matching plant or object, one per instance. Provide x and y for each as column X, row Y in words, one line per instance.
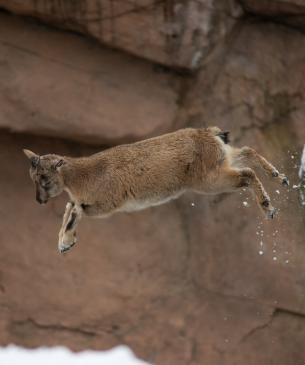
column 176, row 33
column 183, row 283
column 54, row 83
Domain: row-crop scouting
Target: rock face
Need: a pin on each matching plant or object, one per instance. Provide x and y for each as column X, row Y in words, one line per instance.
column 251, row 88
column 178, row 283
column 290, row 12
column 63, row 85
column 198, row 280
column 175, row 33
column 275, row 7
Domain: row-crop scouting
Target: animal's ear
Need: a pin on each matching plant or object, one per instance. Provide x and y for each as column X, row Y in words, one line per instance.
column 32, row 157
column 58, row 163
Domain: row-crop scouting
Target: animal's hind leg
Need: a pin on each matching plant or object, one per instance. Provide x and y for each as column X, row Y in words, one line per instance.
column 251, row 157
column 246, row 178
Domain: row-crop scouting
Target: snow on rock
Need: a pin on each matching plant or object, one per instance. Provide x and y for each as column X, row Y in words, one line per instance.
column 13, row 355
column 302, row 167
column 302, row 178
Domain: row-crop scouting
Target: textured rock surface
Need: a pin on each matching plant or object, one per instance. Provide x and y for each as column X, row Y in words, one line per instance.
column 178, row 283
column 182, row 283
column 275, row 7
column 256, row 82
column 61, row 84
column 176, row 33
column 291, row 12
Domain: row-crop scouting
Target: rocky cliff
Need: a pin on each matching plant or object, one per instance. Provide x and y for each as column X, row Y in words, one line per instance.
column 201, row 280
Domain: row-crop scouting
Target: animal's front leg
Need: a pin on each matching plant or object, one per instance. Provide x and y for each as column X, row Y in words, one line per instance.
column 68, row 209
column 67, row 234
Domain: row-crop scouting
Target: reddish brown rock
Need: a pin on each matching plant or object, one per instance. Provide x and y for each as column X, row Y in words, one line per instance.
column 257, row 92
column 182, row 283
column 291, row 12
column 60, row 84
column 256, row 82
column 275, row 7
column 175, row 33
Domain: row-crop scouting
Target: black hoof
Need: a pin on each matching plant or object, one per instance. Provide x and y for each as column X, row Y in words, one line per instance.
column 271, row 213
column 285, row 181
column 67, row 248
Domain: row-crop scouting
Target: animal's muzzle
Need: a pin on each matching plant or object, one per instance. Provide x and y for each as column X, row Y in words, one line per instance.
column 40, row 198
column 41, row 201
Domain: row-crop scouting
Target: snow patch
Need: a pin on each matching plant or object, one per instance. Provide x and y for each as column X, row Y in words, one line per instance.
column 13, row 355
column 302, row 167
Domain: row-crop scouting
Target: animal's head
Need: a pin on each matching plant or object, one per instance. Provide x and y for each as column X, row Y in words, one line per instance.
column 45, row 171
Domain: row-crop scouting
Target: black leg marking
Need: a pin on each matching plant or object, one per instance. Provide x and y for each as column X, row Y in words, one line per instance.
column 84, row 206
column 71, row 222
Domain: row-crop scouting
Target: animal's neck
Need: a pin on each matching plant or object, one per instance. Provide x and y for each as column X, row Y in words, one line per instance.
column 75, row 175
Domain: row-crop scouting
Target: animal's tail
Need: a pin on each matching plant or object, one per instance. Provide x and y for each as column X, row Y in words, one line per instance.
column 219, row 133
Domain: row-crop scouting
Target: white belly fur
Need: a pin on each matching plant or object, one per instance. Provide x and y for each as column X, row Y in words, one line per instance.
column 134, row 205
